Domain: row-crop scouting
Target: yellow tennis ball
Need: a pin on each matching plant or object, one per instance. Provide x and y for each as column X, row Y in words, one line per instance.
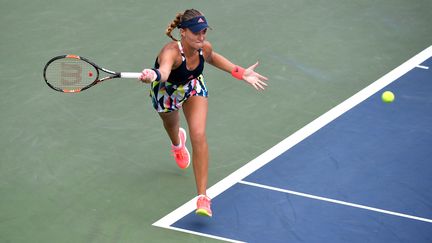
column 387, row 97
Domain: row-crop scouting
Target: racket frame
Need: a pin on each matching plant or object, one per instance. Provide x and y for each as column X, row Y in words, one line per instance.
column 97, row 68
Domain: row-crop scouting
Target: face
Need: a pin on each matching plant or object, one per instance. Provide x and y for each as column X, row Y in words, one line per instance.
column 194, row 40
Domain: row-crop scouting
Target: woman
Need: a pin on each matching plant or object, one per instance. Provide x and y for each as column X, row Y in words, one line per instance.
column 177, row 82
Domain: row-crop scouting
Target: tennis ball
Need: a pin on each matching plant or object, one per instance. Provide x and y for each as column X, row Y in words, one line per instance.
column 387, row 97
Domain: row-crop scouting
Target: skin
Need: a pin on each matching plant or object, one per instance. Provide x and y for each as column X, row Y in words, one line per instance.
column 195, row 108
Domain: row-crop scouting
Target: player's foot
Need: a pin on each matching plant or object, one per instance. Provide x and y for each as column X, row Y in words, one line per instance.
column 180, row 152
column 203, row 206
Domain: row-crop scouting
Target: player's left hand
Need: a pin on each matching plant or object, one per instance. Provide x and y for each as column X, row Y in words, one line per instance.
column 255, row 79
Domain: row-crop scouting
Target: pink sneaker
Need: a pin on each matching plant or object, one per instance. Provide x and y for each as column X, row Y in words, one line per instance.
column 181, row 155
column 203, row 206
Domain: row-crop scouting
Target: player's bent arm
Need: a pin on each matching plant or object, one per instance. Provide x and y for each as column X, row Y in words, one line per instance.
column 217, row 60
column 223, row 63
column 248, row 75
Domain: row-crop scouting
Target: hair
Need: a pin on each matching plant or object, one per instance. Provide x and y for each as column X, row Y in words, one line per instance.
column 180, row 17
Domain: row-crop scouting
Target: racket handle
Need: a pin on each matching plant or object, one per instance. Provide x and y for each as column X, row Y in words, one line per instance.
column 129, row 75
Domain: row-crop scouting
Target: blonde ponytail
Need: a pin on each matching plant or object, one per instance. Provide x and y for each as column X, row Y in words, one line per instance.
column 173, row 25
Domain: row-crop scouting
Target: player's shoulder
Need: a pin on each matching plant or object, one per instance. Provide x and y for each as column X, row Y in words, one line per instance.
column 170, row 53
column 171, row 46
column 170, row 50
column 207, row 49
column 207, row 46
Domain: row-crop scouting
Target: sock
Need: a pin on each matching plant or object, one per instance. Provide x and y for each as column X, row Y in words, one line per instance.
column 202, row 195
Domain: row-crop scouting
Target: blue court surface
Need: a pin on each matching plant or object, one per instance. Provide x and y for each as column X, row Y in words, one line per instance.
column 362, row 172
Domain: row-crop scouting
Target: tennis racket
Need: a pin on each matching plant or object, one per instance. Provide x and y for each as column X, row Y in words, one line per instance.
column 73, row 74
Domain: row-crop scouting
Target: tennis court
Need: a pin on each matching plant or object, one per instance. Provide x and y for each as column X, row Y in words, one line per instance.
column 364, row 166
column 96, row 166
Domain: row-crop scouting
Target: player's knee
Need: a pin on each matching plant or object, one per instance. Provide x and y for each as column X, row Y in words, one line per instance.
column 198, row 137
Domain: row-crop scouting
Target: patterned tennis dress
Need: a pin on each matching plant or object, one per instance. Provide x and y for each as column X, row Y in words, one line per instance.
column 181, row 84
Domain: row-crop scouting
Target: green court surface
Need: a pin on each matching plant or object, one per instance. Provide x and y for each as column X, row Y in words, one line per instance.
column 96, row 166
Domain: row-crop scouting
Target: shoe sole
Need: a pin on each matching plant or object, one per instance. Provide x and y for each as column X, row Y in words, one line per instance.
column 203, row 212
column 184, row 144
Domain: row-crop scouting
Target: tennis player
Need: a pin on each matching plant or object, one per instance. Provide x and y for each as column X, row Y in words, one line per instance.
column 177, row 82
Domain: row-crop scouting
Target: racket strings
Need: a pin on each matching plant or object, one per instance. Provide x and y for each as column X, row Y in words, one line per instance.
column 70, row 73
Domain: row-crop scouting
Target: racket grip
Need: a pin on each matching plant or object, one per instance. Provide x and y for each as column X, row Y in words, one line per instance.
column 129, row 75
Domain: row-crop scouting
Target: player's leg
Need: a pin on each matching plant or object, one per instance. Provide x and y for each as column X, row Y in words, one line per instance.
column 195, row 110
column 177, row 135
column 171, row 123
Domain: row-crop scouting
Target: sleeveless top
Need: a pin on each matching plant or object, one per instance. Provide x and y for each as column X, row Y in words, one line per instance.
column 182, row 75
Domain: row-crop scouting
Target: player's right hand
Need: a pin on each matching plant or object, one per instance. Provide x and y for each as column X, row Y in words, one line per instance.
column 148, row 75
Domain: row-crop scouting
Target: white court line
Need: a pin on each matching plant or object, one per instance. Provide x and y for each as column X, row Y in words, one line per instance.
column 295, row 138
column 422, row 67
column 205, row 235
column 335, row 201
